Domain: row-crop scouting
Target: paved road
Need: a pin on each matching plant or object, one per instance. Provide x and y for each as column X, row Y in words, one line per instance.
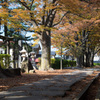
column 47, row 89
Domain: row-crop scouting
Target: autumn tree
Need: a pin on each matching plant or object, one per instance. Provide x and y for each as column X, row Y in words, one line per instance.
column 40, row 16
column 88, row 15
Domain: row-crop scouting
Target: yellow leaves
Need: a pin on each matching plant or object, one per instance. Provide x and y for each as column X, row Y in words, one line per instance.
column 4, row 4
column 34, row 35
column 40, row 28
column 3, row 13
column 34, row 44
column 35, row 38
column 22, row 1
column 21, row 14
column 49, row 7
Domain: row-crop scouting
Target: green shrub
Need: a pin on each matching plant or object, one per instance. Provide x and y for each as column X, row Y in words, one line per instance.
column 55, row 63
column 5, row 60
column 96, row 64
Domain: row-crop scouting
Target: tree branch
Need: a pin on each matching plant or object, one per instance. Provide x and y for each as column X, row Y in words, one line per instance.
column 61, row 18
column 48, row 16
column 24, row 4
column 43, row 17
column 98, row 49
column 31, row 15
column 51, row 20
column 31, row 4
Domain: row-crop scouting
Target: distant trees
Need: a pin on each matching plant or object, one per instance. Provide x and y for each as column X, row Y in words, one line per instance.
column 84, row 28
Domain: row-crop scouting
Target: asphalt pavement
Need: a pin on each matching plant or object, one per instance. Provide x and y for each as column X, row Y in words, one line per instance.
column 47, row 89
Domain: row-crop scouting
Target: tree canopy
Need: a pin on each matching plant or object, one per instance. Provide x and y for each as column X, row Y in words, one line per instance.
column 70, row 17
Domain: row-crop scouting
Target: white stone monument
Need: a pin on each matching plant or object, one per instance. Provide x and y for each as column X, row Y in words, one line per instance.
column 24, row 54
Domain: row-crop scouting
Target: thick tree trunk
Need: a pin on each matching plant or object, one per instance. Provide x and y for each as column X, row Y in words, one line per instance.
column 46, row 51
column 14, row 57
column 45, row 59
column 89, row 59
column 79, row 61
column 92, row 60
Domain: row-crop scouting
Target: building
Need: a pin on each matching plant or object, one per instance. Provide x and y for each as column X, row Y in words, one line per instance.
column 38, row 52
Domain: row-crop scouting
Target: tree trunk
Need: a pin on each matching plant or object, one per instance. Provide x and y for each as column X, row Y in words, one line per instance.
column 92, row 60
column 14, row 57
column 46, row 51
column 89, row 59
column 79, row 61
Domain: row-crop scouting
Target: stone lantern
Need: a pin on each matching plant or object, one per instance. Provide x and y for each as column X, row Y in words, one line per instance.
column 23, row 52
column 32, row 55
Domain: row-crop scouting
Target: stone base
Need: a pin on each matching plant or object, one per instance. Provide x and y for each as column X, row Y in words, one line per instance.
column 26, row 66
column 14, row 71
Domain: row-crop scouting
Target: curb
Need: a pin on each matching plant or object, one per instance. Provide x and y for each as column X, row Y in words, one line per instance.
column 83, row 92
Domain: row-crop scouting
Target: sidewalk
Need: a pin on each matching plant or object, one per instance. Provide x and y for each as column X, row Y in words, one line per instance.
column 46, row 89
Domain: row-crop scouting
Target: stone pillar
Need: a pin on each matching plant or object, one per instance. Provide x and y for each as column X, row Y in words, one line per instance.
column 19, row 58
column 8, row 51
column 11, row 53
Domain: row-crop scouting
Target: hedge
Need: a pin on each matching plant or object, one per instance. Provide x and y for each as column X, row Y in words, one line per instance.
column 5, row 60
column 55, row 63
column 96, row 64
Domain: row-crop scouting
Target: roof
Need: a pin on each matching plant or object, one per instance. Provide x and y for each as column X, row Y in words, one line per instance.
column 1, row 41
column 36, row 46
column 4, row 43
column 53, row 53
column 5, row 37
column 23, row 50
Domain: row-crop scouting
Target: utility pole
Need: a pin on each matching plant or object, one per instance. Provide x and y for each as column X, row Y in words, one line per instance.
column 61, row 57
column 61, row 51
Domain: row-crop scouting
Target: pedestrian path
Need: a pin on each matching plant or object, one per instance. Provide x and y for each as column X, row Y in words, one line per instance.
column 46, row 89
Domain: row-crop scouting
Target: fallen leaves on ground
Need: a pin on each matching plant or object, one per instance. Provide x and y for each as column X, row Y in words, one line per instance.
column 29, row 78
